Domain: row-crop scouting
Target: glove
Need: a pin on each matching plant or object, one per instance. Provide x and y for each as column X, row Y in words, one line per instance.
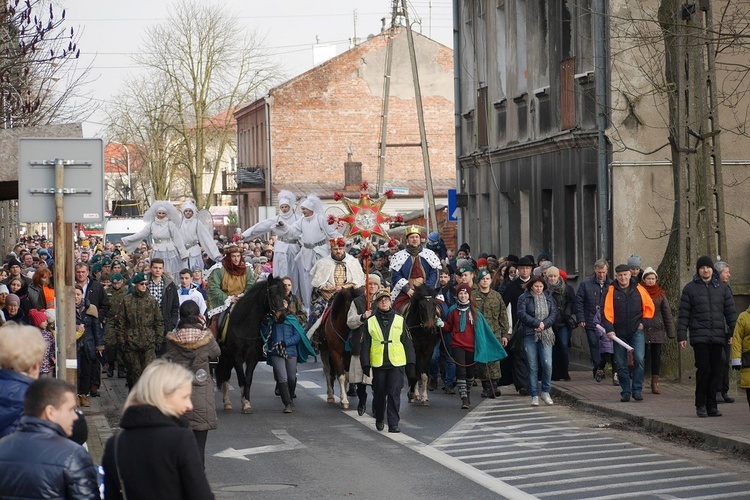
column 411, row 371
column 283, row 344
column 736, row 367
column 439, row 323
column 366, row 370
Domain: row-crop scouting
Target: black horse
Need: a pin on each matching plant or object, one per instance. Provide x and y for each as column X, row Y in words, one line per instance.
column 244, row 342
column 420, row 319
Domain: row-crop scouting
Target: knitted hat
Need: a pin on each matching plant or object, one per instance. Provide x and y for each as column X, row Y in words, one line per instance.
column 4, row 289
column 37, row 317
column 703, row 261
column 634, row 261
column 465, row 287
column 12, row 299
column 433, row 237
column 650, row 270
column 14, row 262
column 542, row 256
column 50, row 313
column 482, row 262
column 553, row 271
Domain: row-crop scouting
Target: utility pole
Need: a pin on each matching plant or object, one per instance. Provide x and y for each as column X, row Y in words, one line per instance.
column 418, row 101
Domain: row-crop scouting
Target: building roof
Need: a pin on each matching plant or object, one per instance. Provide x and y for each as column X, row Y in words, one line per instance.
column 325, row 190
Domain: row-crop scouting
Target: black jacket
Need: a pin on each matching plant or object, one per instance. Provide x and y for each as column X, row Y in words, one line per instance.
column 512, row 293
column 170, row 304
column 590, row 299
column 628, row 310
column 706, row 309
column 158, row 458
column 39, row 461
column 97, row 297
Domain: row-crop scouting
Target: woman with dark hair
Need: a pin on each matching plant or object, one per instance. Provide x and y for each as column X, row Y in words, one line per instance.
column 659, row 328
column 460, row 323
column 192, row 345
column 537, row 313
column 89, row 344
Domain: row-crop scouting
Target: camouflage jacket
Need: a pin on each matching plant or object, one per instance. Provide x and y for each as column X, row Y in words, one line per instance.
column 115, row 301
column 493, row 309
column 140, row 324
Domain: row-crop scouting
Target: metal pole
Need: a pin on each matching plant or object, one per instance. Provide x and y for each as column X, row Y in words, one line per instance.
column 420, row 118
column 601, row 126
column 66, row 342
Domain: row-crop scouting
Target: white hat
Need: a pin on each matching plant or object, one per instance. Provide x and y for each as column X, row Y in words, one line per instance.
column 4, row 289
column 286, row 198
column 650, row 270
column 189, row 205
column 312, row 203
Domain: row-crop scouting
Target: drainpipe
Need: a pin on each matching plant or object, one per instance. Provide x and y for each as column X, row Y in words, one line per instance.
column 600, row 69
column 268, row 151
column 457, row 108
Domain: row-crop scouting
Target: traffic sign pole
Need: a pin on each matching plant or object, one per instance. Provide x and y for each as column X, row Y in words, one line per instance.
column 66, row 342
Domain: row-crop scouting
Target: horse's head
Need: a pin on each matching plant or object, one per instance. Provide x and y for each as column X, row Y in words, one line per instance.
column 424, row 307
column 275, row 296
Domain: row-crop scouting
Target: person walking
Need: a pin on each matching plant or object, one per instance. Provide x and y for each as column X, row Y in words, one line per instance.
column 356, row 320
column 89, row 345
column 387, row 354
column 741, row 350
column 155, row 454
column 537, row 313
column 706, row 308
column 490, row 304
column 193, row 346
column 721, row 268
column 565, row 322
column 659, row 328
column 516, row 360
column 628, row 308
column 589, row 302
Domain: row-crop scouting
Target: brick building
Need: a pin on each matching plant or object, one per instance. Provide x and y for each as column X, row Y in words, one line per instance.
column 297, row 136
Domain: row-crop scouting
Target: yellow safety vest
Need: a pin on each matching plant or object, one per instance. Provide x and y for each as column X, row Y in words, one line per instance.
column 396, row 351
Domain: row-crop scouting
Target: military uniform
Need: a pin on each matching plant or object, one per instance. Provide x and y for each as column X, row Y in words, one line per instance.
column 139, row 329
column 110, row 337
column 493, row 309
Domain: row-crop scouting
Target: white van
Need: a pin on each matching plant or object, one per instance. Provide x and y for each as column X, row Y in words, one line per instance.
column 116, row 229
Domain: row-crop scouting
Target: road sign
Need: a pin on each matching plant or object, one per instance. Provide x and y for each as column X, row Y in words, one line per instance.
column 453, row 211
column 83, row 179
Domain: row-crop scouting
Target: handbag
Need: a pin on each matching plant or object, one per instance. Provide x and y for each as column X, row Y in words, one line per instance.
column 117, row 467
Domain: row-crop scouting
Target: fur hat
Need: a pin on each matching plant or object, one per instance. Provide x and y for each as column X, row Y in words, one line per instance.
column 286, row 198
column 375, row 278
column 553, row 271
column 312, row 203
column 37, row 317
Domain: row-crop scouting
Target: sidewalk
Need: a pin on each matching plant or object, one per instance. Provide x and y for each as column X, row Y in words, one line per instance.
column 103, row 410
column 672, row 412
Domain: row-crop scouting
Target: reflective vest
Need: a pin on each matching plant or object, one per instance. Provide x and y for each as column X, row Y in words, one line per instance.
column 396, row 351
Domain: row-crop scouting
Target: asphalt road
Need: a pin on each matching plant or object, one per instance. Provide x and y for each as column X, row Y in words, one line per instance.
column 501, row 448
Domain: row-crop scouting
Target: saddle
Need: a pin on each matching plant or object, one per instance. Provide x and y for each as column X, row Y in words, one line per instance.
column 219, row 324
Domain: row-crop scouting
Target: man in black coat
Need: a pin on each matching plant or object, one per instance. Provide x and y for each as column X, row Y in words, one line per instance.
column 38, row 460
column 164, row 290
column 515, row 363
column 93, row 291
column 589, row 301
column 706, row 308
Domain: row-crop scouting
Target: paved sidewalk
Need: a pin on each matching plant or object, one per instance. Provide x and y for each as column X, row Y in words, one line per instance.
column 103, row 414
column 671, row 412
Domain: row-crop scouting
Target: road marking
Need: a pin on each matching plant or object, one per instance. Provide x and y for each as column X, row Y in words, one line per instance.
column 289, row 444
column 307, row 384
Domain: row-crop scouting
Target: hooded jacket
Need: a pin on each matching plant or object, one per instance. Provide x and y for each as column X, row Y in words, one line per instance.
column 706, row 308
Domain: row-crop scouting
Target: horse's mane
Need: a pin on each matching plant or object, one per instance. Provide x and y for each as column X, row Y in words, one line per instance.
column 253, row 306
column 343, row 299
column 421, row 292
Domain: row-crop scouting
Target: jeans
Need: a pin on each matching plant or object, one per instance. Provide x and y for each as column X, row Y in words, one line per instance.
column 441, row 362
column 534, row 352
column 593, row 337
column 638, row 342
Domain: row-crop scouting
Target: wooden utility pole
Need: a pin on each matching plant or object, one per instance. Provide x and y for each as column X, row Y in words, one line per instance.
column 395, row 12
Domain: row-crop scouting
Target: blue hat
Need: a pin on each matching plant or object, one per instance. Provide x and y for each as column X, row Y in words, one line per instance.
column 433, row 237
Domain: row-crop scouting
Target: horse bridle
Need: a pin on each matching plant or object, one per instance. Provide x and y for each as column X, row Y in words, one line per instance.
column 421, row 324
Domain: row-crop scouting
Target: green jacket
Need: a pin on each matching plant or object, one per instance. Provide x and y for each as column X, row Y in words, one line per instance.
column 493, row 309
column 115, row 301
column 140, row 325
column 216, row 295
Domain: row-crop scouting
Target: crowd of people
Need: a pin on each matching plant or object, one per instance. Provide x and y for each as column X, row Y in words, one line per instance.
column 505, row 321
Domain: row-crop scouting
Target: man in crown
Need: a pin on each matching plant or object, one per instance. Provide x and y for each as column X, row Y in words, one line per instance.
column 329, row 275
column 411, row 267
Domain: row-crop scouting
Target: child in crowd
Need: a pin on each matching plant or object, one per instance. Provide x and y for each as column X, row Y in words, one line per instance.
column 607, row 354
column 38, row 319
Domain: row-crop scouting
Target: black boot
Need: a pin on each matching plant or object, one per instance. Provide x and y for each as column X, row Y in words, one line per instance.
column 362, row 395
column 486, row 389
column 352, row 390
column 285, row 397
column 292, row 389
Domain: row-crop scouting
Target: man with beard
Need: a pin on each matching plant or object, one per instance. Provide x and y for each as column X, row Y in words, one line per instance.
column 380, row 265
column 411, row 267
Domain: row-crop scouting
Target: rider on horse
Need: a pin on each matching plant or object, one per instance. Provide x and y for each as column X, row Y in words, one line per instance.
column 411, row 267
column 329, row 275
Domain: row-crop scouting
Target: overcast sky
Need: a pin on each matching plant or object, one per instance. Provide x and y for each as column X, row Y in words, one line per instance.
column 113, row 30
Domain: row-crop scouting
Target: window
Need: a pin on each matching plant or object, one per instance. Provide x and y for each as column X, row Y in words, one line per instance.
column 482, row 132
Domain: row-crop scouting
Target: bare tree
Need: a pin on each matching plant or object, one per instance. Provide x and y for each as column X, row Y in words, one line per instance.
column 39, row 80
column 210, row 66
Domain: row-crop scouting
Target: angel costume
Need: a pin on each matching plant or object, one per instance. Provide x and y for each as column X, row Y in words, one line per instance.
column 285, row 249
column 165, row 232
column 313, row 233
column 196, row 236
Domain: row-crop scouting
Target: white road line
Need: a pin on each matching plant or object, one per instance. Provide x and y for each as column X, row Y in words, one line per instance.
column 711, row 475
column 308, row 385
column 617, row 462
column 614, row 477
column 584, row 470
column 529, row 443
column 616, row 453
column 584, row 448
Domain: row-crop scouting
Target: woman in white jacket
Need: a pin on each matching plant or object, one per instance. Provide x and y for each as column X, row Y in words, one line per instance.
column 196, row 236
column 163, row 225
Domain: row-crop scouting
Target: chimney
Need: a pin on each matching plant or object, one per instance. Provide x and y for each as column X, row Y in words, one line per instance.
column 352, row 171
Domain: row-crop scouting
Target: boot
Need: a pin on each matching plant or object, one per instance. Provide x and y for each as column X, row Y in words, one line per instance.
column 292, row 388
column 469, row 384
column 655, row 384
column 486, row 389
column 362, row 396
column 496, row 386
column 285, row 397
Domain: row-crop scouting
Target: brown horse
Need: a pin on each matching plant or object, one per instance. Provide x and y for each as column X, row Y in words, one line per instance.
column 334, row 337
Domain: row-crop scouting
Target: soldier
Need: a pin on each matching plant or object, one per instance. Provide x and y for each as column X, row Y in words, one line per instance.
column 116, row 294
column 491, row 305
column 139, row 329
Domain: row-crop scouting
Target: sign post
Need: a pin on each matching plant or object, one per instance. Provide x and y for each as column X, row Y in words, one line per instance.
column 77, row 187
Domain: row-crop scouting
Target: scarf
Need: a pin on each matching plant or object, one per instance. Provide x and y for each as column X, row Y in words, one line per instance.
column 413, row 250
column 190, row 334
column 558, row 287
column 655, row 291
column 541, row 311
column 239, row 270
column 463, row 308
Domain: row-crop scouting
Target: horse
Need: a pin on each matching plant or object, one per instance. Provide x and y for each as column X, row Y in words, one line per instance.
column 420, row 320
column 244, row 342
column 335, row 333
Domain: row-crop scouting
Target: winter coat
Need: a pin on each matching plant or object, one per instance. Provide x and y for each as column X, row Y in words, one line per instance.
column 93, row 336
column 39, row 461
column 527, row 312
column 741, row 344
column 564, row 302
column 13, row 387
column 36, row 297
column 170, row 304
column 512, row 293
column 96, row 295
column 662, row 325
column 195, row 356
column 158, row 458
column 706, row 308
column 590, row 299
column 625, row 309
column 115, row 298
column 140, row 326
column 283, row 332
column 493, row 309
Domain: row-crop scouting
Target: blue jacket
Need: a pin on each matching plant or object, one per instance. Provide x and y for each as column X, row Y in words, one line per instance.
column 284, row 332
column 527, row 310
column 590, row 299
column 13, row 386
column 431, row 274
column 92, row 333
column 39, row 461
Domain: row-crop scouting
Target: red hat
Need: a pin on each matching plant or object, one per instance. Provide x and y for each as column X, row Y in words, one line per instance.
column 465, row 287
column 563, row 275
column 482, row 262
column 37, row 317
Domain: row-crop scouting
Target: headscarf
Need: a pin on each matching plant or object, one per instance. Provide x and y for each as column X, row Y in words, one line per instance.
column 234, row 270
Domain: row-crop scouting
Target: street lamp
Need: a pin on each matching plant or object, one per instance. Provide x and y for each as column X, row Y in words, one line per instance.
column 127, row 164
